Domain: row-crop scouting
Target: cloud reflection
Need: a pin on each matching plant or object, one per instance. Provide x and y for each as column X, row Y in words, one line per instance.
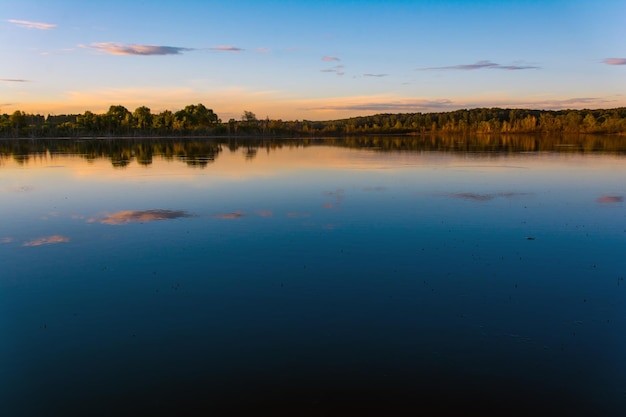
column 47, row 240
column 230, row 216
column 607, row 199
column 140, row 216
column 482, row 197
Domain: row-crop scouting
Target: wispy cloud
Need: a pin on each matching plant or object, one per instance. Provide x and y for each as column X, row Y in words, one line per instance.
column 225, row 48
column 140, row 216
column 32, row 25
column 392, row 106
column 13, row 80
column 262, row 50
column 480, row 65
column 615, row 61
column 47, row 240
column 375, row 75
column 337, row 69
column 114, row 48
column 330, row 58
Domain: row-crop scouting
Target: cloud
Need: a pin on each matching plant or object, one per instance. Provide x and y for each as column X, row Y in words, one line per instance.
column 375, row 75
column 226, row 48
column 134, row 49
column 140, row 216
column 47, row 240
column 388, row 106
column 334, row 71
column 480, row 65
column 6, row 240
column 32, row 25
column 330, row 58
column 13, row 80
column 615, row 61
column 262, row 50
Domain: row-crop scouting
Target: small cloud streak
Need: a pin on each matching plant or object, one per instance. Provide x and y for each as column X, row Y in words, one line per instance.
column 615, row 61
column 265, row 213
column 296, row 215
column 32, row 25
column 330, row 58
column 262, row 50
column 135, row 49
column 480, row 65
column 608, row 199
column 6, row 240
column 482, row 197
column 47, row 240
column 13, row 80
column 140, row 216
column 226, row 48
column 375, row 75
column 230, row 216
column 393, row 106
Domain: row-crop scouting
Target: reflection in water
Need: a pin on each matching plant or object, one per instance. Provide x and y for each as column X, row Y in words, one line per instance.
column 610, row 199
column 421, row 288
column 483, row 197
column 198, row 153
column 47, row 240
column 141, row 216
column 18, row 189
column 230, row 216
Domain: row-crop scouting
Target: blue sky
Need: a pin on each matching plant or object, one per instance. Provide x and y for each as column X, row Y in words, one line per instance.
column 313, row 60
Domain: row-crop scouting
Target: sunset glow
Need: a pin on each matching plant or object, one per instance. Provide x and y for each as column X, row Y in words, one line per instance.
column 310, row 60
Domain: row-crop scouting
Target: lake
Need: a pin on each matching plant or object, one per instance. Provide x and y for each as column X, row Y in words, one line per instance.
column 356, row 276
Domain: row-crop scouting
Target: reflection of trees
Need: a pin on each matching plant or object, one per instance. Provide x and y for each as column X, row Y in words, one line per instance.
column 201, row 152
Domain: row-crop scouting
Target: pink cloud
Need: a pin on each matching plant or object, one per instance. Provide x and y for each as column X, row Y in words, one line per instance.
column 134, row 49
column 615, row 61
column 226, row 48
column 32, row 25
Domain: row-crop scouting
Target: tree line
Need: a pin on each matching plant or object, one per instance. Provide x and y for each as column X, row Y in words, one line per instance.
column 198, row 120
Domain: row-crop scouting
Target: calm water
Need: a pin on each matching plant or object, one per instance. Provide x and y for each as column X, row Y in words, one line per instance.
column 366, row 276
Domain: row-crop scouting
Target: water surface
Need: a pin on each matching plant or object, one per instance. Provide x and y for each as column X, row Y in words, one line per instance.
column 335, row 277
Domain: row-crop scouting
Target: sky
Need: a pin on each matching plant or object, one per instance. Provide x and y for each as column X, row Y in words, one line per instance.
column 311, row 60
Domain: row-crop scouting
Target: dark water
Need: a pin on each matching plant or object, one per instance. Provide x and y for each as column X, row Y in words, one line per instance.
column 356, row 277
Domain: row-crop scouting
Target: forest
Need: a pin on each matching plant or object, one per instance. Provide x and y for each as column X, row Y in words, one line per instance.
column 197, row 120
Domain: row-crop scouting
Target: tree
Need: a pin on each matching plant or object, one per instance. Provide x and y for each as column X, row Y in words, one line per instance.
column 143, row 118
column 118, row 119
column 248, row 117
